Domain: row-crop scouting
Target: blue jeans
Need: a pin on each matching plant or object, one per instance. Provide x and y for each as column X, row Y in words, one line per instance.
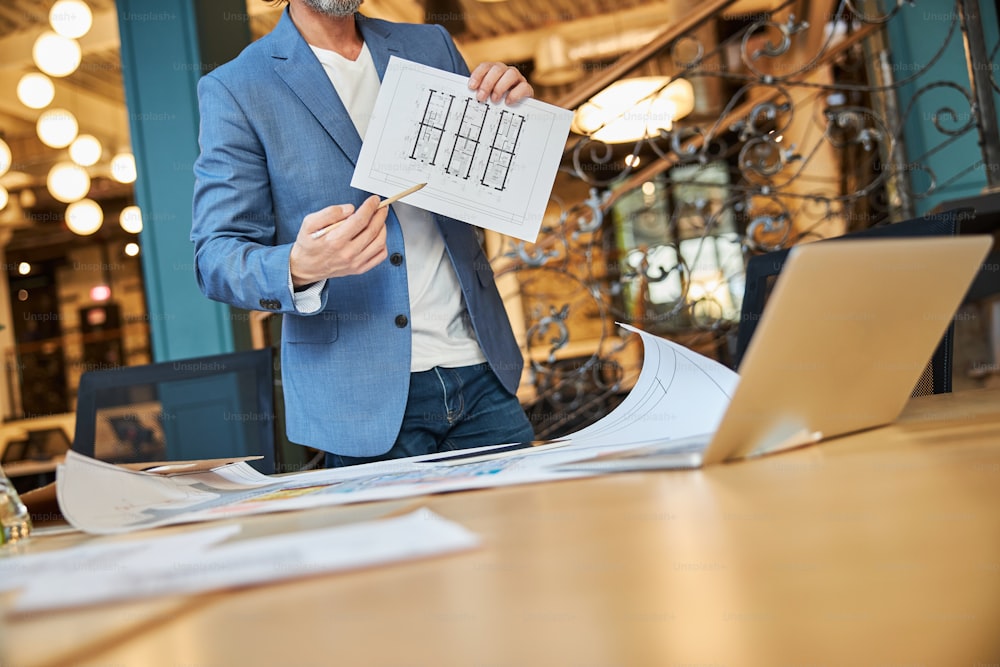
column 452, row 408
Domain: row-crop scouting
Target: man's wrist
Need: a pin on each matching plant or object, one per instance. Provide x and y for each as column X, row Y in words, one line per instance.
column 299, row 283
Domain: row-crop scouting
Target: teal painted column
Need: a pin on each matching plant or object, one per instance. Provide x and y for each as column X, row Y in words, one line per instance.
column 166, row 45
column 915, row 36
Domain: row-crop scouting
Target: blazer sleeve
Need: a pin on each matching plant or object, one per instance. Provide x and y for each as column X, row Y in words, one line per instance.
column 233, row 224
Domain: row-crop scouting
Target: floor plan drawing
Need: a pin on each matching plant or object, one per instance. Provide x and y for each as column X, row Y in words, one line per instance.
column 430, row 132
column 461, row 138
column 485, row 163
column 503, row 150
column 467, row 136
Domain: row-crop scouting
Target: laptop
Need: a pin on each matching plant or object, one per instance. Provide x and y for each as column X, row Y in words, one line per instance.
column 847, row 331
column 210, row 407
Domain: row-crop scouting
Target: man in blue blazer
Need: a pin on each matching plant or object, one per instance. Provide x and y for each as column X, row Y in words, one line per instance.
column 395, row 341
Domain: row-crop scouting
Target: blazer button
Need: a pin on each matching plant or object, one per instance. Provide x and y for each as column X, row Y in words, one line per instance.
column 396, row 259
column 401, row 321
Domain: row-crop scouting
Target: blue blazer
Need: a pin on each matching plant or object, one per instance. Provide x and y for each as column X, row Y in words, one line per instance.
column 277, row 144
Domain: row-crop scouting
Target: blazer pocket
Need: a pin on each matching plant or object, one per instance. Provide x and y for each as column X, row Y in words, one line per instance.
column 320, row 328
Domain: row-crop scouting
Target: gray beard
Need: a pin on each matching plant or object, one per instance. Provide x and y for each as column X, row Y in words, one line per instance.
column 338, row 8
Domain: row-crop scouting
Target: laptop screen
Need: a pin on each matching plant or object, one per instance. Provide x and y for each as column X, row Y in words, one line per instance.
column 202, row 408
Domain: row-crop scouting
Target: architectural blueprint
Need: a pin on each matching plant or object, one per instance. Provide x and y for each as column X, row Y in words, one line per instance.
column 491, row 165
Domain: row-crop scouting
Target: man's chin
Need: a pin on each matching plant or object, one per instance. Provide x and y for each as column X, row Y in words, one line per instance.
column 334, row 8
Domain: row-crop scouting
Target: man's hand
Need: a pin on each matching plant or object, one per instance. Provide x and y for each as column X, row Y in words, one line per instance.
column 494, row 80
column 353, row 245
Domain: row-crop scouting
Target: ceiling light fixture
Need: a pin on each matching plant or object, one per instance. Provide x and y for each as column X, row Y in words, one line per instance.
column 71, row 18
column 633, row 109
column 57, row 128
column 68, row 182
column 85, row 150
column 123, row 168
column 130, row 219
column 6, row 158
column 56, row 55
column 84, row 217
column 35, row 90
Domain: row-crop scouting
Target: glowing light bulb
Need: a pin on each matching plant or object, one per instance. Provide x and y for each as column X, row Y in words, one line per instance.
column 84, row 217
column 71, row 18
column 56, row 55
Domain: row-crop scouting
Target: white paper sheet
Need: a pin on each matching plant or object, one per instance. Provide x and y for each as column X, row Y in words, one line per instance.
column 679, row 393
column 256, row 561
column 100, row 498
column 91, row 560
column 490, row 165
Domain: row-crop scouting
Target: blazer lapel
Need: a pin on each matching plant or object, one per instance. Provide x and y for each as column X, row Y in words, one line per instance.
column 376, row 36
column 297, row 65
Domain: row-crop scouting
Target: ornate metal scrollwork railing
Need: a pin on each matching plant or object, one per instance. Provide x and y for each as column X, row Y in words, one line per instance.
column 800, row 146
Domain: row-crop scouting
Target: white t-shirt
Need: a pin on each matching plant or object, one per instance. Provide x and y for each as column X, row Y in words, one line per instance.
column 442, row 334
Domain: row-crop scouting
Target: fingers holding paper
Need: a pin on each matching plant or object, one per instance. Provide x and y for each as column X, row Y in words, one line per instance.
column 339, row 241
column 495, row 80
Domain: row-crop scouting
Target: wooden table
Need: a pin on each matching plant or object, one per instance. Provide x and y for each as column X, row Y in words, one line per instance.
column 881, row 549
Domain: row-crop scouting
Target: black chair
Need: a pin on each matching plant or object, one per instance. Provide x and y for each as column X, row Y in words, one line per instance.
column 202, row 408
column 762, row 272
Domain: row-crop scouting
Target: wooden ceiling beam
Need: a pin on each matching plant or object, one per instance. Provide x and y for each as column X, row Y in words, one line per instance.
column 688, row 22
column 521, row 46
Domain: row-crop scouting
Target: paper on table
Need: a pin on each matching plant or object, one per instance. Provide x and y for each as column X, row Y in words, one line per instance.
column 129, row 500
column 485, row 163
column 104, row 498
column 92, row 560
column 257, row 561
column 679, row 393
